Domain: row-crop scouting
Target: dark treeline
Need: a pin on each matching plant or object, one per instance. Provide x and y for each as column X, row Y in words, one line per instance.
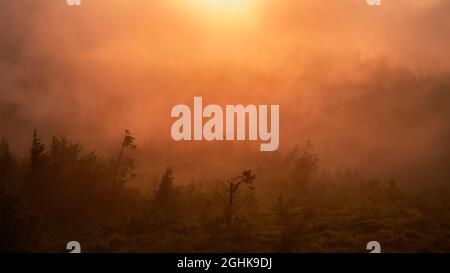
column 288, row 203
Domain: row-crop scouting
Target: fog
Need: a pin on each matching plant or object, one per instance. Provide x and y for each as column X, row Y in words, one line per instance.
column 369, row 86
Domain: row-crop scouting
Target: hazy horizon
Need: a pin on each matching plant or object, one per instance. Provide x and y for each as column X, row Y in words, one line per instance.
column 359, row 81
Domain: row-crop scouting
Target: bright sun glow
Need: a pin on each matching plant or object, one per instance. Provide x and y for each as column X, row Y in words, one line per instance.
column 224, row 6
column 224, row 9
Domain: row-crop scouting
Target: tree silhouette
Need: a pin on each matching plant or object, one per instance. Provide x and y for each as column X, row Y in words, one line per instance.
column 37, row 153
column 306, row 166
column 38, row 183
column 246, row 178
column 7, row 164
column 165, row 189
column 63, row 152
column 124, row 166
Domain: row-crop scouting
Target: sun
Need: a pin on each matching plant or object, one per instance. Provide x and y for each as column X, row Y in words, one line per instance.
column 223, row 10
column 224, row 6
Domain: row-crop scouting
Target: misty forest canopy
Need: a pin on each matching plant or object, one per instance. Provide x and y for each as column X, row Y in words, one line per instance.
column 278, row 203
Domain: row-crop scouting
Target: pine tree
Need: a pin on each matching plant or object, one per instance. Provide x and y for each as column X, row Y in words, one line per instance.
column 165, row 190
column 37, row 153
column 306, row 166
column 37, row 185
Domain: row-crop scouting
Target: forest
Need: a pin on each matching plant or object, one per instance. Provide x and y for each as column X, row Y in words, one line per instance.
column 369, row 86
column 60, row 192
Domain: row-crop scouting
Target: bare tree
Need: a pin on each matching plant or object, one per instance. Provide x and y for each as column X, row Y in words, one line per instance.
column 246, row 178
column 128, row 142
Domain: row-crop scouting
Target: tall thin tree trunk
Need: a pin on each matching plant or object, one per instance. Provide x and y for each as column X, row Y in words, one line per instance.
column 116, row 169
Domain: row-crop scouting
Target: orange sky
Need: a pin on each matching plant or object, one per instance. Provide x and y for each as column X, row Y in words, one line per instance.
column 348, row 76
